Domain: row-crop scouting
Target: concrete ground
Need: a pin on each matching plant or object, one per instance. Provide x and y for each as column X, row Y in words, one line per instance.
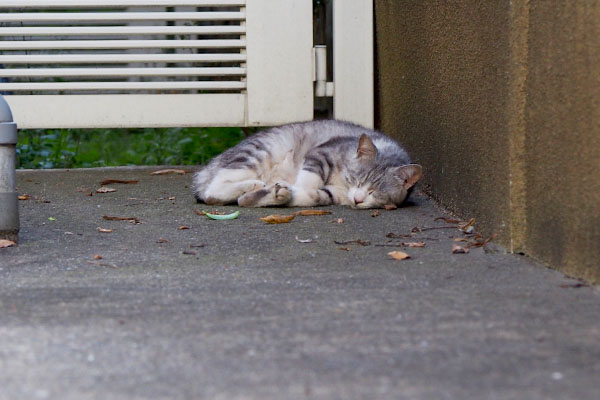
column 242, row 310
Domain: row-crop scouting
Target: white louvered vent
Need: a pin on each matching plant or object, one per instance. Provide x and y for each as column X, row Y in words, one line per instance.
column 165, row 63
column 122, row 46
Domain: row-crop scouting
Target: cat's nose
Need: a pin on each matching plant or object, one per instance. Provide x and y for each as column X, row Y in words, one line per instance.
column 359, row 196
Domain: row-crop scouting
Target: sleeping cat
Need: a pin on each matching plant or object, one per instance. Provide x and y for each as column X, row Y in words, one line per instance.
column 310, row 164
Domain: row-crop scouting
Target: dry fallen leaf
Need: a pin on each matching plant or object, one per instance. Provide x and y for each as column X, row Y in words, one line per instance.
column 447, row 220
column 24, row 197
column 104, row 230
column 375, row 213
column 398, row 255
column 168, row 171
column 312, row 212
column 171, row 198
column 414, row 244
column 189, row 252
column 97, row 257
column 183, row 227
column 390, row 207
column 278, row 219
column 105, row 189
column 162, row 240
column 457, row 249
column 112, row 218
column 467, row 227
column 345, row 248
column 6, row 243
column 110, row 181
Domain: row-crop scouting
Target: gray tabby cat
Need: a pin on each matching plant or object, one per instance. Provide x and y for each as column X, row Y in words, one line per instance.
column 310, row 164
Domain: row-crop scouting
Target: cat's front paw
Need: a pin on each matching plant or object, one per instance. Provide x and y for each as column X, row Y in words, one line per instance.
column 283, row 193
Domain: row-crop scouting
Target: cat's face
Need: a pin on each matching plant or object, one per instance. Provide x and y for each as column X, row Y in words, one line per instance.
column 375, row 185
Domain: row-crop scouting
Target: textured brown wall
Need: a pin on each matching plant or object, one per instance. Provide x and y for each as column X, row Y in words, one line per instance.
column 442, row 91
column 500, row 101
column 563, row 136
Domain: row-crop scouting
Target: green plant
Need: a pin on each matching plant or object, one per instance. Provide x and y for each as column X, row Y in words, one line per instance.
column 75, row 148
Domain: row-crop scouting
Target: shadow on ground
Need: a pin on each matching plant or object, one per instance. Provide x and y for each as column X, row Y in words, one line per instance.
column 243, row 310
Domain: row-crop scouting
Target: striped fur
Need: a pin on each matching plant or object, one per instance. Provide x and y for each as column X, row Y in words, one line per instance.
column 310, row 164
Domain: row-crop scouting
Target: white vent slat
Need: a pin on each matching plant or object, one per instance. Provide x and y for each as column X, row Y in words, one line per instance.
column 120, row 44
column 116, row 3
column 123, row 30
column 121, row 16
column 119, row 58
column 120, row 72
column 73, row 86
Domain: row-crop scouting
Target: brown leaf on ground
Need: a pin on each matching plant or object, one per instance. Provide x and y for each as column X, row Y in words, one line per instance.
column 162, row 240
column 168, row 171
column 397, row 236
column 447, row 220
column 278, row 219
column 467, row 227
column 104, row 230
column 345, row 248
column 24, row 197
column 189, row 252
column 398, row 255
column 105, row 189
column 97, row 257
column 312, row 212
column 360, row 242
column 183, row 227
column 390, row 207
column 122, row 181
column 6, row 243
column 573, row 285
column 375, row 213
column 414, row 244
column 457, row 249
column 481, row 243
column 114, row 218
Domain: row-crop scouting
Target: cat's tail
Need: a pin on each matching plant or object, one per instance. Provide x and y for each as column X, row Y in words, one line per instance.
column 200, row 183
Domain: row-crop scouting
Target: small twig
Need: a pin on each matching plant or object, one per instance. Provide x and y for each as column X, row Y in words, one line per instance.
column 430, row 228
column 358, row 241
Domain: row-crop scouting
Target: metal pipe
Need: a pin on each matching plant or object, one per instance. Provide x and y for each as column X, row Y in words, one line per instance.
column 9, row 207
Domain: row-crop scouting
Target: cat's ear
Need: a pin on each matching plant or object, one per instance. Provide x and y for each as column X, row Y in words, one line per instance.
column 366, row 149
column 409, row 174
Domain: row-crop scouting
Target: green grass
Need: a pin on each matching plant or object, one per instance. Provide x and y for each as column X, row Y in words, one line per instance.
column 80, row 148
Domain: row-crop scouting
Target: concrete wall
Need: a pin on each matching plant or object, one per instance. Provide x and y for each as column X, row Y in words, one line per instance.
column 500, row 101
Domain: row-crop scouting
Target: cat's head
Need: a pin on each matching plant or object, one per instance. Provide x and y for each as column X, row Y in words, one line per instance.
column 374, row 183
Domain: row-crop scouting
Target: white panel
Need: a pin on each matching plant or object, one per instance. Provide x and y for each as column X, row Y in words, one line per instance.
column 121, row 30
column 279, row 46
column 172, row 85
column 121, row 16
column 114, row 111
column 121, row 72
column 119, row 44
column 114, row 3
column 353, row 61
column 118, row 58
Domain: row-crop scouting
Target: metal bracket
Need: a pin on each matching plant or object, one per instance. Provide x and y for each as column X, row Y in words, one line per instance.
column 322, row 87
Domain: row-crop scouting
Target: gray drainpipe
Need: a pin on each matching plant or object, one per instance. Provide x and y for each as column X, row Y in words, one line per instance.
column 9, row 207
